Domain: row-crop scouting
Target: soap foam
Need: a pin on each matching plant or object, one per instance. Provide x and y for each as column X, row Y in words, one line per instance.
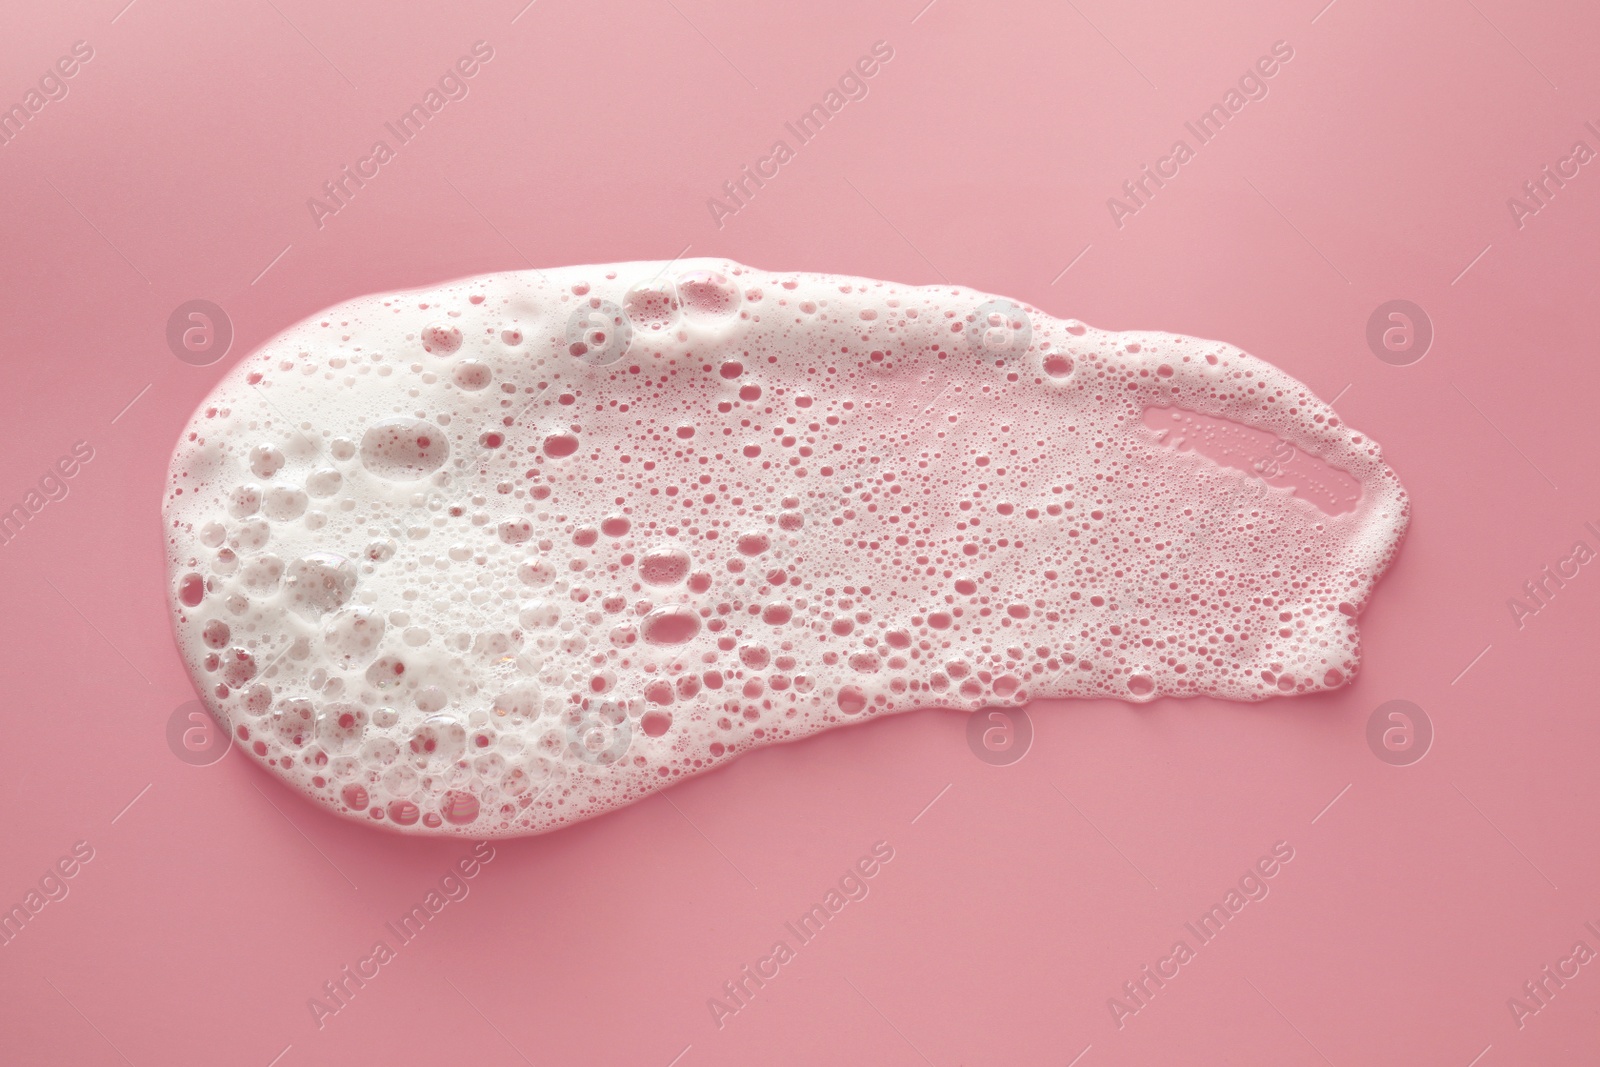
column 494, row 557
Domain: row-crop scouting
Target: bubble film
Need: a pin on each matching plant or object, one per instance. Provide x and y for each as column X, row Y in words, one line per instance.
column 494, row 557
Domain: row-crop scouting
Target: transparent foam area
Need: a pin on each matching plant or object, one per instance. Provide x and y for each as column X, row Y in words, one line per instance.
column 1246, row 448
column 501, row 555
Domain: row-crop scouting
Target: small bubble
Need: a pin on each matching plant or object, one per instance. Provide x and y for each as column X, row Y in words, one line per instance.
column 403, row 449
column 440, row 338
column 472, row 375
column 653, row 305
column 319, row 583
column 669, row 626
column 708, row 294
column 459, row 807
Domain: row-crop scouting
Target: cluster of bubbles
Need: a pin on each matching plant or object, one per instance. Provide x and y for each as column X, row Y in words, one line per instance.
column 502, row 555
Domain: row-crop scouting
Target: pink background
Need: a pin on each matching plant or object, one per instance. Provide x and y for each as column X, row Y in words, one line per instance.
column 1378, row 167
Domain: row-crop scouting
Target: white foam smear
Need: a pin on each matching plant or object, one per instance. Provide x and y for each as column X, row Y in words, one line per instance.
column 494, row 557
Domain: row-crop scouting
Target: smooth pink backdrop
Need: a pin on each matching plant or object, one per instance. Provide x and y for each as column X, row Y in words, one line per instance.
column 1378, row 167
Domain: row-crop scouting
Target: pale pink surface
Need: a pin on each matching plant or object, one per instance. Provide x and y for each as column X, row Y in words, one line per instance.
column 1377, row 168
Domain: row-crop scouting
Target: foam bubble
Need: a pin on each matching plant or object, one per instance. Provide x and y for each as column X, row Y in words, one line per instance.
column 501, row 555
